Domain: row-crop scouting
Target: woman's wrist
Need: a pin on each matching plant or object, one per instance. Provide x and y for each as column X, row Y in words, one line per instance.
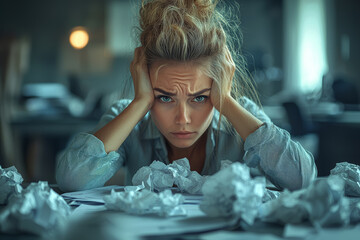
column 242, row 120
column 144, row 101
column 228, row 103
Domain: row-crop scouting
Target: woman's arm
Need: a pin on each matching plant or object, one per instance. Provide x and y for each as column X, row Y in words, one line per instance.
column 115, row 132
column 284, row 162
column 84, row 164
column 244, row 122
column 91, row 159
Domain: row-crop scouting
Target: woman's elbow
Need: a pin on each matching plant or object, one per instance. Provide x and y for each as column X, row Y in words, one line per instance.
column 67, row 179
column 67, row 183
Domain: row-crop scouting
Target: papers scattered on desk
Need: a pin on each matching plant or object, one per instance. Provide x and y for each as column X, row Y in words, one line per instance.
column 10, row 181
column 116, row 225
column 37, row 210
column 232, row 192
column 93, row 196
column 322, row 203
column 143, row 201
column 159, row 176
column 350, row 173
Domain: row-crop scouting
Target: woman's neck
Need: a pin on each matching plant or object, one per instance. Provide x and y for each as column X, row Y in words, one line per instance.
column 195, row 153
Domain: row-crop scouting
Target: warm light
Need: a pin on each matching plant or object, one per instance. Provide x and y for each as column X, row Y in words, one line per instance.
column 79, row 38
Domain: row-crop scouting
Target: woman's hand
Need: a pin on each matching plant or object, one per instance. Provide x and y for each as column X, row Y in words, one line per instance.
column 141, row 79
column 229, row 67
column 114, row 133
column 243, row 121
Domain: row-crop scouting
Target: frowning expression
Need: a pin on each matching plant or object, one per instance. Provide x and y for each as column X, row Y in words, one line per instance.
column 182, row 110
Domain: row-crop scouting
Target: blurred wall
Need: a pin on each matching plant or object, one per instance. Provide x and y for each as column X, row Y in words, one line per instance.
column 347, row 40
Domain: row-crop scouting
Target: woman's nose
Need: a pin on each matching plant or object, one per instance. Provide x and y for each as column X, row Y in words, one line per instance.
column 183, row 115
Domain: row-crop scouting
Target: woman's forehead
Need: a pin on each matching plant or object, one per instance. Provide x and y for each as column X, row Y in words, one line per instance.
column 171, row 75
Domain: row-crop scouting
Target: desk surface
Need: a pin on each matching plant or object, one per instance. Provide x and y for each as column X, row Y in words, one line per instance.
column 95, row 222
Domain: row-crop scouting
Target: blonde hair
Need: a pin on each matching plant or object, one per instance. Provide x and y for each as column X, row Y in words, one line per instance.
column 193, row 30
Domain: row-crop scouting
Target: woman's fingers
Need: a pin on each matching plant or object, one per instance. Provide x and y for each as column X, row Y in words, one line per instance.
column 140, row 74
column 229, row 70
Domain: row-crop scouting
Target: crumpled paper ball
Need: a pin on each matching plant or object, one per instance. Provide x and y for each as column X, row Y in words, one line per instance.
column 270, row 195
column 159, row 176
column 322, row 203
column 10, row 181
column 232, row 192
column 350, row 173
column 38, row 209
column 144, row 201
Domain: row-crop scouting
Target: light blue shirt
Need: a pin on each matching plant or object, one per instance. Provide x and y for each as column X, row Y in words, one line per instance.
column 84, row 164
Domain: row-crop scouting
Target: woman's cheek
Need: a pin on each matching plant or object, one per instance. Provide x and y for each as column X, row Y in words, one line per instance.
column 161, row 111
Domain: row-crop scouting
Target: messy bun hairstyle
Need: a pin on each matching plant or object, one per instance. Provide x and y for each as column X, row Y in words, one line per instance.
column 194, row 31
column 181, row 30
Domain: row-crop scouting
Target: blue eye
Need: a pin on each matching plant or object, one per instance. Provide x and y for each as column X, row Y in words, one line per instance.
column 200, row 99
column 164, row 99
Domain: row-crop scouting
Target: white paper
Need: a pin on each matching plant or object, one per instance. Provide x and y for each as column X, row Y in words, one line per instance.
column 350, row 173
column 346, row 233
column 38, row 209
column 159, row 176
column 322, row 203
column 232, row 192
column 10, row 181
column 146, row 202
column 237, row 235
column 93, row 196
column 119, row 225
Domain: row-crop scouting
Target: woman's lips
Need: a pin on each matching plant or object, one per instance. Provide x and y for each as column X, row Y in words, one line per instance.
column 183, row 135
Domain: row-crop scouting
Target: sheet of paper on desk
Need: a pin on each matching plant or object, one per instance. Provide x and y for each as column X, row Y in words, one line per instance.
column 91, row 196
column 84, row 209
column 96, row 196
column 308, row 232
column 128, row 225
column 104, row 224
column 234, row 235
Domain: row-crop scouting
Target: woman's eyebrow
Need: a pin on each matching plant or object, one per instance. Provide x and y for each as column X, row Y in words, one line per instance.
column 164, row 92
column 173, row 94
column 199, row 92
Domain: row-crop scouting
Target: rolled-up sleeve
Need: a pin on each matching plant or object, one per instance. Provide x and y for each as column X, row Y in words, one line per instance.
column 283, row 161
column 84, row 164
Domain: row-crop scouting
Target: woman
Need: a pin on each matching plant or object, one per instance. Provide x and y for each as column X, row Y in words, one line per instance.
column 186, row 104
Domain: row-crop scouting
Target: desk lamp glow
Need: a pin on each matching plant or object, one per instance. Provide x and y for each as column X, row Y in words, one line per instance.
column 79, row 38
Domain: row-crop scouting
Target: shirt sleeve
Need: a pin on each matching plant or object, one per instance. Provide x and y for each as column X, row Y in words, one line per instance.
column 84, row 164
column 283, row 161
